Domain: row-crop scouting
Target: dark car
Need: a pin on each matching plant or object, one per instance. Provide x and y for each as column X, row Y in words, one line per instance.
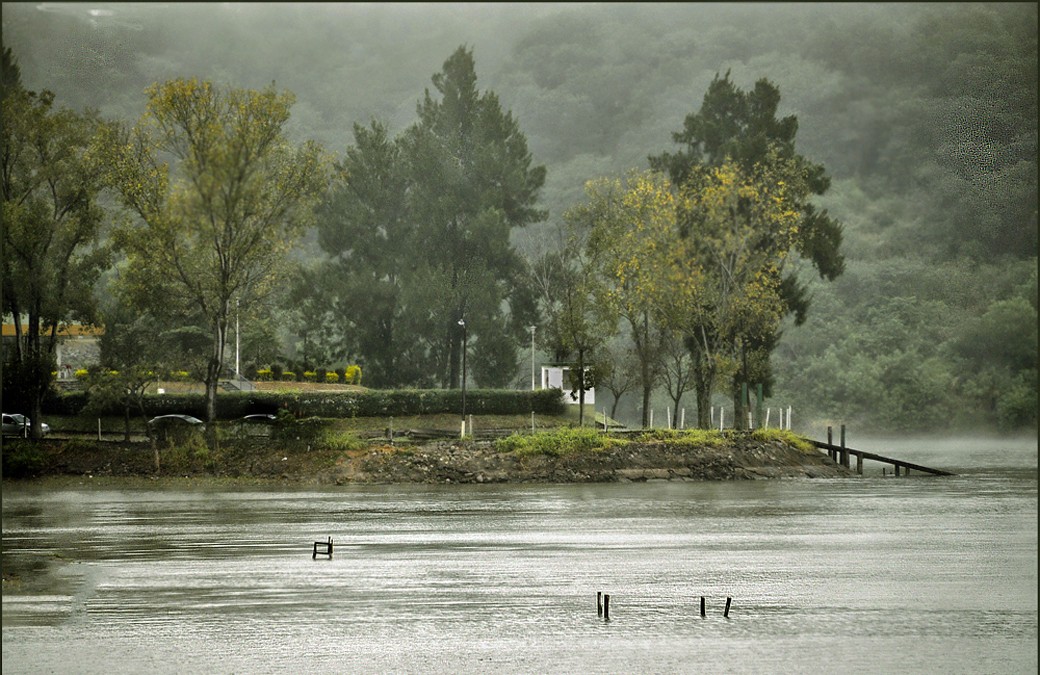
column 175, row 421
column 260, row 418
column 20, row 425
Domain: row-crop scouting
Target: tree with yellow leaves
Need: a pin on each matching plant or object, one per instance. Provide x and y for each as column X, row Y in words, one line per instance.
column 633, row 222
column 219, row 196
column 723, row 286
column 737, row 148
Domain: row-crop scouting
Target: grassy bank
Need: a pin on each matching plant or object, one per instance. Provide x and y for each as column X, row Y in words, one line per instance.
column 337, row 457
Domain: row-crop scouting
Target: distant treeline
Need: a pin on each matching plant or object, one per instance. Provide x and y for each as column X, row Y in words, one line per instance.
column 924, row 115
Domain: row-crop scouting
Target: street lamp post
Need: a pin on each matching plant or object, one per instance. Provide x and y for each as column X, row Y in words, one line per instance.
column 237, row 341
column 462, row 322
column 532, row 358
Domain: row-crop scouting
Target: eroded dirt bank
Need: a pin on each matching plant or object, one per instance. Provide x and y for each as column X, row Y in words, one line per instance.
column 437, row 462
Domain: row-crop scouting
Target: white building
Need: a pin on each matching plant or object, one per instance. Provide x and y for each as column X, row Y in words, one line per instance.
column 558, row 377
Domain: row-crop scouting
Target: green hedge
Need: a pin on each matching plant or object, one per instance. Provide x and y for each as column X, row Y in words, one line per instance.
column 373, row 403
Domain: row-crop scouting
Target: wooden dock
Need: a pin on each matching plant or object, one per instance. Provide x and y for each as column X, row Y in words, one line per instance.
column 843, row 455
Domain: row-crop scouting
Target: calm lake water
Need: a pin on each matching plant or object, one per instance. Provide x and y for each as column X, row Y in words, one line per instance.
column 866, row 575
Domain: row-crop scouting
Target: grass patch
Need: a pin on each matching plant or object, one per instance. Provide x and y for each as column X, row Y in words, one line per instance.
column 784, row 436
column 700, row 438
column 340, row 441
column 557, row 442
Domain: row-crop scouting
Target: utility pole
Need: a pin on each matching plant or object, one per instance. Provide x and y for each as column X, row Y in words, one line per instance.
column 462, row 322
column 237, row 341
column 532, row 358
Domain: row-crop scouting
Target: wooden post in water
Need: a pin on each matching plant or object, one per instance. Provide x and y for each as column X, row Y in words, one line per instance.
column 897, row 470
column 606, row 607
column 599, row 603
column 830, row 441
column 702, row 606
column 328, row 549
column 844, row 452
column 726, row 613
column 859, row 464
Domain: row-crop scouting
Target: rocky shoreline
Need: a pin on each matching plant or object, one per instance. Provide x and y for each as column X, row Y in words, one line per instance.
column 480, row 463
column 443, row 462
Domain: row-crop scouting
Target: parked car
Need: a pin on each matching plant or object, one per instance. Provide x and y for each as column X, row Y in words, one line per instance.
column 260, row 418
column 175, row 420
column 20, row 425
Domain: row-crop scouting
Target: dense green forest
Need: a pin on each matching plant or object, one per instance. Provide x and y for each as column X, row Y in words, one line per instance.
column 924, row 117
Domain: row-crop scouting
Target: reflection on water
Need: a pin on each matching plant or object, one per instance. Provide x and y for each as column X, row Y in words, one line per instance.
column 878, row 575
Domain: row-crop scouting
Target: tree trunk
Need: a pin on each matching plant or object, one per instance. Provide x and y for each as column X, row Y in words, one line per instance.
column 37, row 373
column 126, row 419
column 213, row 369
column 641, row 339
column 646, row 406
column 702, row 391
column 211, row 406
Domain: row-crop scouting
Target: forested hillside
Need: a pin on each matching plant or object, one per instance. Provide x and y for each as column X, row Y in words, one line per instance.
column 923, row 115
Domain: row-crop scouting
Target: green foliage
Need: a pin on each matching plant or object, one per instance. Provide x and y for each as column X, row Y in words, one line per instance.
column 1017, row 403
column 557, row 442
column 784, row 436
column 21, row 458
column 51, row 235
column 744, row 210
column 952, row 355
column 691, row 438
column 341, row 441
column 215, row 226
column 371, row 403
column 452, row 186
column 306, row 430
